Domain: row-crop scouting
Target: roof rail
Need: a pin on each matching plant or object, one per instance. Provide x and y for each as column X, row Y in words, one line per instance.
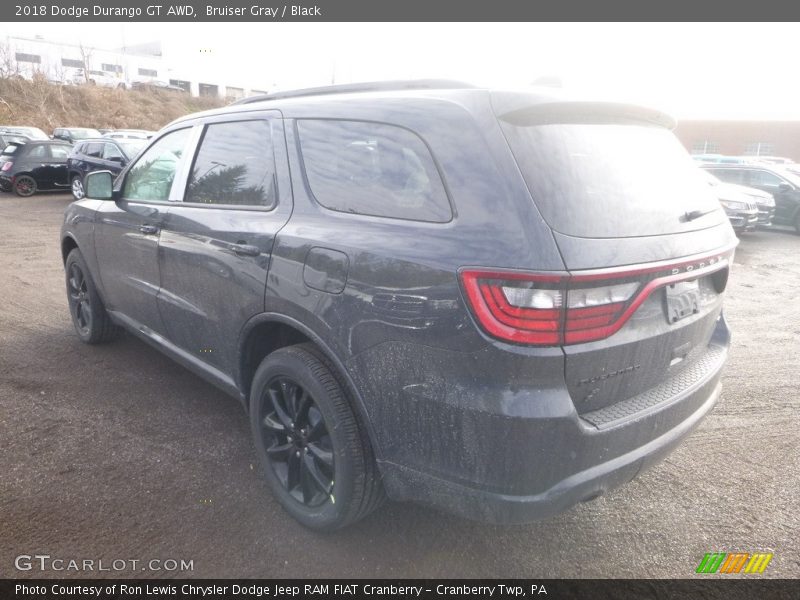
column 349, row 88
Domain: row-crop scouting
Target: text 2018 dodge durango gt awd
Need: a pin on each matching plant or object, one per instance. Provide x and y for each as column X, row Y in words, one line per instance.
column 474, row 299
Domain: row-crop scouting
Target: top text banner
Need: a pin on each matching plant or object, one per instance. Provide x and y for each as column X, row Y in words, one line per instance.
column 399, row 10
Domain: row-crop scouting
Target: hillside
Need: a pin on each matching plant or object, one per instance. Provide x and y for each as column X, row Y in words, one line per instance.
column 41, row 104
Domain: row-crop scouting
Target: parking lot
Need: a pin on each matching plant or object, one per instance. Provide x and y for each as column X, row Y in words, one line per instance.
column 114, row 452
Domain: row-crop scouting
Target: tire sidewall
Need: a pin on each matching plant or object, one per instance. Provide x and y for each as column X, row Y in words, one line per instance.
column 94, row 333
column 287, row 362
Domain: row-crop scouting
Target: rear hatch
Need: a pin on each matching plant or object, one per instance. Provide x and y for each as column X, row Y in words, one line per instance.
column 644, row 240
column 11, row 151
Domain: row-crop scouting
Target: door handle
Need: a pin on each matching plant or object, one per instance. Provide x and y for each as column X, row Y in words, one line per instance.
column 246, row 250
column 148, row 229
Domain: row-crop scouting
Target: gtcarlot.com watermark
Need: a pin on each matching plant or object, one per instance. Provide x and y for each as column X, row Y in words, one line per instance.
column 45, row 562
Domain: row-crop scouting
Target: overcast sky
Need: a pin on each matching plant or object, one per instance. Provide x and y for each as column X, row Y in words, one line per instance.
column 691, row 70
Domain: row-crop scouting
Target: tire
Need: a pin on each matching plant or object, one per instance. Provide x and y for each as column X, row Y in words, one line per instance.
column 89, row 316
column 314, row 454
column 25, row 186
column 77, row 188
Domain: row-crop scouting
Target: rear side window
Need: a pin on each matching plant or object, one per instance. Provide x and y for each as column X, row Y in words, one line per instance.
column 39, row 151
column 372, row 169
column 235, row 165
column 59, row 151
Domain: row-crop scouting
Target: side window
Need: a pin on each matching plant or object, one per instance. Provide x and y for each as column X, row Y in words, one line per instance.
column 234, row 165
column 372, row 169
column 95, row 150
column 59, row 152
column 765, row 179
column 728, row 175
column 152, row 176
column 111, row 152
column 39, row 151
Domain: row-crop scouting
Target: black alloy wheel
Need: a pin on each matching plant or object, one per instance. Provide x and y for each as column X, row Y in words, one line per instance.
column 297, row 442
column 79, row 299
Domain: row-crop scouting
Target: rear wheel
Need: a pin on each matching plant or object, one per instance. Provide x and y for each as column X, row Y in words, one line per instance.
column 77, row 188
column 89, row 316
column 314, row 454
column 24, row 186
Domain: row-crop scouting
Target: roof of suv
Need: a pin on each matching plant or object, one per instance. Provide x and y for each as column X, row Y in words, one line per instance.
column 512, row 103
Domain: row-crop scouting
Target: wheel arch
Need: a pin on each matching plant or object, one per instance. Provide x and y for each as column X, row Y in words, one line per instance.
column 268, row 332
column 68, row 244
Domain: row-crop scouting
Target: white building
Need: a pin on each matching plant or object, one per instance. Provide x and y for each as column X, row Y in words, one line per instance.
column 65, row 63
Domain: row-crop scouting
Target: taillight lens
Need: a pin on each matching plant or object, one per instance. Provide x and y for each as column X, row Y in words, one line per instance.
column 570, row 308
column 7, row 166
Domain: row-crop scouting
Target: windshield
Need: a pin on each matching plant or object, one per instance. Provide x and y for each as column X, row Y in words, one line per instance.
column 611, row 180
column 132, row 147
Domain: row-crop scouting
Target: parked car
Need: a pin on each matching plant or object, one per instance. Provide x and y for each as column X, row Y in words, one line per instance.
column 156, row 85
column 468, row 298
column 73, row 134
column 781, row 183
column 98, row 154
column 34, row 166
column 741, row 209
column 106, row 79
column 765, row 203
column 33, row 133
column 133, row 134
column 720, row 158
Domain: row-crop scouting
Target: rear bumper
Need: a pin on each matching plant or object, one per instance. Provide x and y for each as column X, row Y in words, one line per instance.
column 510, row 447
column 495, row 507
column 6, row 183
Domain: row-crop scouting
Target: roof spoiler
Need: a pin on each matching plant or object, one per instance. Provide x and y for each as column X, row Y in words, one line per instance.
column 548, row 113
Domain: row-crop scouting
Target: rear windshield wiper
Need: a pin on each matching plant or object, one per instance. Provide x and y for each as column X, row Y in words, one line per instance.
column 696, row 214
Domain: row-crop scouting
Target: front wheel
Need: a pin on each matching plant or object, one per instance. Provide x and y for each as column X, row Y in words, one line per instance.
column 24, row 186
column 89, row 316
column 77, row 188
column 313, row 452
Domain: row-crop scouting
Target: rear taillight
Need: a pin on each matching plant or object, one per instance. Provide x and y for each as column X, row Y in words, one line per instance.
column 7, row 166
column 551, row 309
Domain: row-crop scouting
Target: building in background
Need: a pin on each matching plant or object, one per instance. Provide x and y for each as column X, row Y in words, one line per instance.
column 121, row 67
column 741, row 138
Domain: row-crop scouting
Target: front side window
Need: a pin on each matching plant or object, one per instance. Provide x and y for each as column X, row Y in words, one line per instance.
column 372, row 169
column 111, row 152
column 95, row 150
column 152, row 176
column 765, row 178
column 729, row 175
column 235, row 165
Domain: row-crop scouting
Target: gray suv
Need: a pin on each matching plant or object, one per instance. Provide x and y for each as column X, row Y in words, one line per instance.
column 474, row 299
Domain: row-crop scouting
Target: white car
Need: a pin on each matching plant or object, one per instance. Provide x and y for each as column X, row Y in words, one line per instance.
column 106, row 79
column 129, row 134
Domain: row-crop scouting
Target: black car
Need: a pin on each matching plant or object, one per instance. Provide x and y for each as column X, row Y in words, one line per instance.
column 783, row 184
column 99, row 154
column 34, row 166
column 468, row 298
column 74, row 134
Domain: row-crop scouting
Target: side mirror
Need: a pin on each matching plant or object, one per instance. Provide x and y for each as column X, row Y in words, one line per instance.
column 785, row 187
column 99, row 185
column 117, row 159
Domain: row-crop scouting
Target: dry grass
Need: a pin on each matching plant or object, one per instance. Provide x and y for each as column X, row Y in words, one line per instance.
column 41, row 104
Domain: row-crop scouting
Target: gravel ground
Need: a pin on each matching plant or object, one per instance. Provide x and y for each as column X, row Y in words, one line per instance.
column 114, row 452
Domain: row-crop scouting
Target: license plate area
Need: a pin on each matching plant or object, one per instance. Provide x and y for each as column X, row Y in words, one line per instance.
column 682, row 299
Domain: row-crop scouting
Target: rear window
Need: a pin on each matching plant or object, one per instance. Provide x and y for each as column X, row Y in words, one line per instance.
column 372, row 169
column 611, row 180
column 10, row 149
